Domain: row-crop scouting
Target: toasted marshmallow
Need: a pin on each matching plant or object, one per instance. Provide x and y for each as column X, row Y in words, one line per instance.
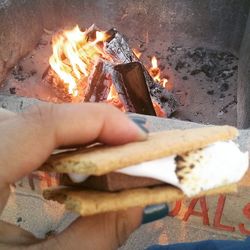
column 216, row 165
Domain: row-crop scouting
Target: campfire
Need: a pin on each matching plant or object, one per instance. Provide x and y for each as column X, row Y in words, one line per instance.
column 142, row 69
column 99, row 66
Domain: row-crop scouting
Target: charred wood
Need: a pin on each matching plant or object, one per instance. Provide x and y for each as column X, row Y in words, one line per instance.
column 128, row 78
column 51, row 80
column 131, row 85
column 121, row 90
column 117, row 47
column 98, row 84
column 165, row 99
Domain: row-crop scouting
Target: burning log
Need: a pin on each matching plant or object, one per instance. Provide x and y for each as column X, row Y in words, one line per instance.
column 75, row 76
column 50, row 78
column 117, row 47
column 98, row 84
column 131, row 86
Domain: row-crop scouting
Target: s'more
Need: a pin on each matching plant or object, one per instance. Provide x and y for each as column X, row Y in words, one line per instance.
column 168, row 166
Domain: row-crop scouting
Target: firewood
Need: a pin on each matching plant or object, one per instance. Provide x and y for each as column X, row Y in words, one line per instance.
column 117, row 47
column 130, row 83
column 99, row 82
column 52, row 80
column 98, row 86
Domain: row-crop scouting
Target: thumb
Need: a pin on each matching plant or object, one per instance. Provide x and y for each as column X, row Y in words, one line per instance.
column 102, row 231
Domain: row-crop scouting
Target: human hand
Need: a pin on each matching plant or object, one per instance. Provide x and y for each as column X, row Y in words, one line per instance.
column 28, row 139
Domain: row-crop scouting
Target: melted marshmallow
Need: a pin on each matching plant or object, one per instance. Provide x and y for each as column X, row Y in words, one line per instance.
column 219, row 164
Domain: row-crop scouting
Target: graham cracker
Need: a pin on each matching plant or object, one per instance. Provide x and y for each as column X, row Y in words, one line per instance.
column 89, row 202
column 104, row 159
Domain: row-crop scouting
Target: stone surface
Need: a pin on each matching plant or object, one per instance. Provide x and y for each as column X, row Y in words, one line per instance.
column 243, row 90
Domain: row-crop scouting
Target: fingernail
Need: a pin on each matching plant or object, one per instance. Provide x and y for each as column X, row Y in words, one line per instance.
column 154, row 212
column 139, row 119
column 140, row 122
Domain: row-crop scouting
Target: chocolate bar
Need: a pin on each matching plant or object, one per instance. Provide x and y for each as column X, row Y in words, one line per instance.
column 111, row 182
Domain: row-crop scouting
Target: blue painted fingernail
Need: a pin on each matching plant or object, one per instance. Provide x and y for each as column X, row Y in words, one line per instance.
column 140, row 122
column 139, row 119
column 154, row 212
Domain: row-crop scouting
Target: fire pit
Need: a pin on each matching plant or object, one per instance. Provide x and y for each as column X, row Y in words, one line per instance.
column 99, row 66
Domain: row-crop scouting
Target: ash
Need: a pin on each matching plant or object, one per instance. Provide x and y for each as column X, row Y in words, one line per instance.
column 209, row 78
column 204, row 80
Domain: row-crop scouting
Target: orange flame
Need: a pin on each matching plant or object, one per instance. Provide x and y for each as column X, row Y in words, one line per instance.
column 155, row 72
column 74, row 56
column 75, row 53
column 137, row 53
column 154, row 63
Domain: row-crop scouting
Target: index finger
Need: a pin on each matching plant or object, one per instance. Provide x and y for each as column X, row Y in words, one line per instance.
column 28, row 139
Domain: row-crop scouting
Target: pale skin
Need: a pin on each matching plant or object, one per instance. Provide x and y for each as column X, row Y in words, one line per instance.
column 27, row 140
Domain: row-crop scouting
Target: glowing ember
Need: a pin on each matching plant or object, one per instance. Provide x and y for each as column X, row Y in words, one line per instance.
column 158, row 110
column 74, row 56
